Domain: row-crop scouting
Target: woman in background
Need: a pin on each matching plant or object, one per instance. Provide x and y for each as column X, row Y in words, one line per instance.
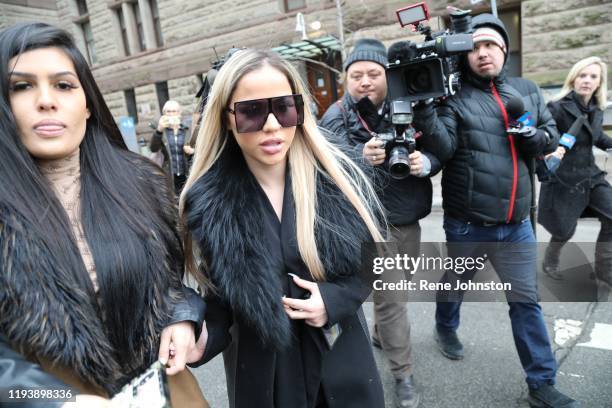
column 579, row 187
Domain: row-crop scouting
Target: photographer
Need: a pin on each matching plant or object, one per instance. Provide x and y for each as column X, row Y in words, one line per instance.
column 355, row 120
column 487, row 191
column 172, row 138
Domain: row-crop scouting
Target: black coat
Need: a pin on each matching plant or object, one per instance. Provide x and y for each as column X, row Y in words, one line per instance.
column 271, row 360
column 407, row 200
column 46, row 314
column 567, row 196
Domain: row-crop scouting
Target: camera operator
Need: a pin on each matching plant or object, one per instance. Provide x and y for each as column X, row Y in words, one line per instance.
column 355, row 120
column 172, row 138
column 487, row 191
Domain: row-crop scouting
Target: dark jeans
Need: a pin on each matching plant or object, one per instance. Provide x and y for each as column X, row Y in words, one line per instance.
column 514, row 261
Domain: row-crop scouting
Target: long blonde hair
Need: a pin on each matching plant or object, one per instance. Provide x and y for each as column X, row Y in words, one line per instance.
column 310, row 152
column 601, row 93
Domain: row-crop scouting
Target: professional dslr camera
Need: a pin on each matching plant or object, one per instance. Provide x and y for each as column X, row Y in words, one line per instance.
column 401, row 142
column 420, row 71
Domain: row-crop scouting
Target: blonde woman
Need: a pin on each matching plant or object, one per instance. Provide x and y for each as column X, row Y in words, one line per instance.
column 580, row 187
column 279, row 215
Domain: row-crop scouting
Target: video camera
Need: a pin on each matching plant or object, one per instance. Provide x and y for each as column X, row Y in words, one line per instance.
column 420, row 71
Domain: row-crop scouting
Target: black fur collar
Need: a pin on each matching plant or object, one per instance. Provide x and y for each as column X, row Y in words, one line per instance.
column 225, row 219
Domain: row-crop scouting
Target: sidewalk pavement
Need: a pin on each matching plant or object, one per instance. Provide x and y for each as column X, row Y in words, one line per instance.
column 490, row 375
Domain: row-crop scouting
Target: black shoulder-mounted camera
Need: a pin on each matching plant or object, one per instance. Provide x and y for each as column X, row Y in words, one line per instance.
column 420, row 71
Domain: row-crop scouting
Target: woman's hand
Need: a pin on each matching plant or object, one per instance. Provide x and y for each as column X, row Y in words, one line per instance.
column 188, row 150
column 178, row 347
column 162, row 124
column 311, row 310
column 560, row 152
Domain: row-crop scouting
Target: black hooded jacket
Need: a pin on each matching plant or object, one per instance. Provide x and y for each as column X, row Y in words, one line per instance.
column 486, row 177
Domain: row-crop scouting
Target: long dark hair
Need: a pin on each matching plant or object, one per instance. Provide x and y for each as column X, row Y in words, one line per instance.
column 132, row 238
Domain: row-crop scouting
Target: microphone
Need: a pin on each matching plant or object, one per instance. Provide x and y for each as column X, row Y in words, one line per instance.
column 521, row 122
column 400, row 51
column 515, row 108
column 549, row 166
column 569, row 138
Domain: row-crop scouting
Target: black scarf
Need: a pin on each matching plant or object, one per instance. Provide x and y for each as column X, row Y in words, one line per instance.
column 587, row 110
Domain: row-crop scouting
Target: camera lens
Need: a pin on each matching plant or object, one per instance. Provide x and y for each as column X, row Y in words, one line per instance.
column 399, row 164
column 419, row 80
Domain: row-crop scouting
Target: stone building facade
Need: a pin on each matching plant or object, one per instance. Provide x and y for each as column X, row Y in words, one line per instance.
column 145, row 51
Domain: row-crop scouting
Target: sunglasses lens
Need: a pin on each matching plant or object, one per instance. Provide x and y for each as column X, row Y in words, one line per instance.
column 288, row 110
column 251, row 115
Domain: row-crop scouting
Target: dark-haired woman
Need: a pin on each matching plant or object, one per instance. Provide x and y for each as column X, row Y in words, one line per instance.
column 579, row 187
column 90, row 260
column 279, row 215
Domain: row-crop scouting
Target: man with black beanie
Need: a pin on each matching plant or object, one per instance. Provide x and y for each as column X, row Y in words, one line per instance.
column 355, row 121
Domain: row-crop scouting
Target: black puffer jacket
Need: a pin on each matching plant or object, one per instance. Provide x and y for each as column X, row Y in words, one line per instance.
column 486, row 176
column 406, row 201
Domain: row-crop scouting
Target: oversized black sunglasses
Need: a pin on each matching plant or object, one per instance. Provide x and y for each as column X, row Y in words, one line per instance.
column 251, row 115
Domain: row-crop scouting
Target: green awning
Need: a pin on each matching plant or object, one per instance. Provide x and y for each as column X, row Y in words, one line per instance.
column 309, row 48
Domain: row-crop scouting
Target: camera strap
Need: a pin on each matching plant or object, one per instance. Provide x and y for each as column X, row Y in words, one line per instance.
column 363, row 122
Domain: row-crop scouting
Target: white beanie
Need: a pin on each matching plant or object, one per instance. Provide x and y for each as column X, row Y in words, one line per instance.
column 489, row 34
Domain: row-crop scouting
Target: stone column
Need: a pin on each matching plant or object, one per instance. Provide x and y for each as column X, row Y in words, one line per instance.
column 147, row 24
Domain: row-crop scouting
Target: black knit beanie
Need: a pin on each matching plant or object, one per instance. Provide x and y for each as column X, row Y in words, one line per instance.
column 367, row 49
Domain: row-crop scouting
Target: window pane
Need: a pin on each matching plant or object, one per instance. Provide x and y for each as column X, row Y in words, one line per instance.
column 294, row 4
column 81, row 7
column 126, row 49
column 130, row 101
column 161, row 88
column 89, row 42
column 156, row 23
column 139, row 28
